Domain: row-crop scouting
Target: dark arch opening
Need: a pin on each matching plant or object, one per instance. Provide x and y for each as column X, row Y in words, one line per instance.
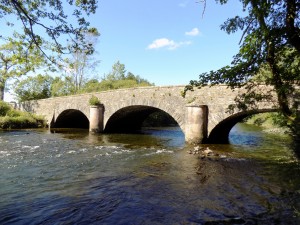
column 71, row 118
column 220, row 133
column 132, row 118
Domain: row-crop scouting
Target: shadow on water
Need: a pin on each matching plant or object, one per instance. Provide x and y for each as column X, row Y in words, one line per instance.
column 147, row 137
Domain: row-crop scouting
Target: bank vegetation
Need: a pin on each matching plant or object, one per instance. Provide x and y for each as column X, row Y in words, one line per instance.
column 268, row 122
column 11, row 118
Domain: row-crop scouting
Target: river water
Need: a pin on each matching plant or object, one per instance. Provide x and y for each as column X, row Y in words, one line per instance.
column 150, row 178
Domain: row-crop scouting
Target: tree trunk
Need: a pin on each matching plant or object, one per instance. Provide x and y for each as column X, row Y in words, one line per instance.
column 278, row 84
column 271, row 51
column 2, row 87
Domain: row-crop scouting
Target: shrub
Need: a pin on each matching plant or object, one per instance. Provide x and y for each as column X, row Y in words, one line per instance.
column 4, row 108
column 13, row 113
column 94, row 100
column 18, row 122
column 15, row 119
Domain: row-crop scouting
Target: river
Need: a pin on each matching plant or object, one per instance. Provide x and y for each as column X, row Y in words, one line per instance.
column 78, row 178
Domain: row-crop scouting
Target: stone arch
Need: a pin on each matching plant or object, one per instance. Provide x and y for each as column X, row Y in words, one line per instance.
column 130, row 118
column 71, row 118
column 220, row 133
column 174, row 109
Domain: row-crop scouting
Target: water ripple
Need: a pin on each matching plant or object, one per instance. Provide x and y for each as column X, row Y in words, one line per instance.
column 54, row 179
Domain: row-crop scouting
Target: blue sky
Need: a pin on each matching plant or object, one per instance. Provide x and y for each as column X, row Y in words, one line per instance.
column 168, row 42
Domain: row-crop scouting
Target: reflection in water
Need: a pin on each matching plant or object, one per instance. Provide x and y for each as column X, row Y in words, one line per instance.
column 149, row 178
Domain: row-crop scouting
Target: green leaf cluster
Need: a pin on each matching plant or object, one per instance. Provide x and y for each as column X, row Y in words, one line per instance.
column 45, row 86
column 94, row 101
column 118, row 78
column 17, row 58
column 32, row 88
column 55, row 21
column 4, row 108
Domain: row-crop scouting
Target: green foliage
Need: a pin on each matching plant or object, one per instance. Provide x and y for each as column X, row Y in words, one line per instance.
column 47, row 30
column 94, row 100
column 33, row 88
column 13, row 113
column 91, row 86
column 15, row 119
column 159, row 119
column 262, row 119
column 269, row 54
column 17, row 58
column 279, row 119
column 44, row 86
column 115, row 80
column 61, row 87
column 56, row 21
column 105, row 85
column 4, row 108
column 117, row 73
column 20, row 122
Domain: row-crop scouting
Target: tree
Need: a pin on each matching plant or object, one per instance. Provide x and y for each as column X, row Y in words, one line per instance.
column 50, row 19
column 91, row 86
column 33, row 88
column 116, row 79
column 270, row 43
column 17, row 58
column 118, row 72
column 61, row 87
column 119, row 79
column 81, row 64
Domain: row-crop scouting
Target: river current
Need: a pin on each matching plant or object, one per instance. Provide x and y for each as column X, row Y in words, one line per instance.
column 74, row 177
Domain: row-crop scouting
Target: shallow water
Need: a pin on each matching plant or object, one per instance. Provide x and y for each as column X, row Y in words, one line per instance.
column 79, row 178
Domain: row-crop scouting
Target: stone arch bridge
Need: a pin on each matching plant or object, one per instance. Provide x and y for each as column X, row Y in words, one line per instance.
column 202, row 115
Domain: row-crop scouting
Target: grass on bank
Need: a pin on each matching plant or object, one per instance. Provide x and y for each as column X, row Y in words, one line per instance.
column 269, row 122
column 263, row 120
column 16, row 119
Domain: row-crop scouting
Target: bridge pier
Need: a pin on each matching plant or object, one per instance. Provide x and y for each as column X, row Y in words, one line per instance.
column 96, row 118
column 196, row 124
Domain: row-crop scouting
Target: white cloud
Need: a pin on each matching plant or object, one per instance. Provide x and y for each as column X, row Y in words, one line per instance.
column 167, row 43
column 160, row 43
column 183, row 4
column 193, row 32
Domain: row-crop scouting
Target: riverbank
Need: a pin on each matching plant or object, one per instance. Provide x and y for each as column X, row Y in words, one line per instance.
column 266, row 122
column 11, row 118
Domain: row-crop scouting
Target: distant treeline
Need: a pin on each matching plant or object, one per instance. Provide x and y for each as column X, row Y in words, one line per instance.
column 46, row 86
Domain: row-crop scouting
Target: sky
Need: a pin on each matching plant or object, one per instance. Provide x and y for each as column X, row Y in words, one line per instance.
column 167, row 42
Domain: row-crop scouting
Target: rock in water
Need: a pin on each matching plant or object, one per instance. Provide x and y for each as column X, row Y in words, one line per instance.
column 208, row 151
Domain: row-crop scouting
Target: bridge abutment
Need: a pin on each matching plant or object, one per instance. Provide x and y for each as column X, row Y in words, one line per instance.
column 196, row 124
column 96, row 118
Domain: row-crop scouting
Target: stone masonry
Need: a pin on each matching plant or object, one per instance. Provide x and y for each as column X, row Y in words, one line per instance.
column 169, row 99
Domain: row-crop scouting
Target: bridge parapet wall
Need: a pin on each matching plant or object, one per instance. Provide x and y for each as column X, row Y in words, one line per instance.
column 165, row 98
